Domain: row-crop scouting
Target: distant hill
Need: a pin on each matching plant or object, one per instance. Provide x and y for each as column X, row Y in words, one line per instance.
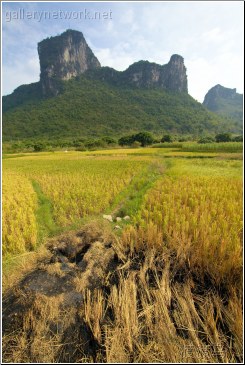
column 225, row 101
column 77, row 97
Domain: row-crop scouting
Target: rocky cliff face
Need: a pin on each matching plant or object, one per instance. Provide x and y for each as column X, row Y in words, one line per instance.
column 174, row 75
column 63, row 57
column 171, row 76
column 216, row 93
column 144, row 74
column 225, row 101
column 68, row 55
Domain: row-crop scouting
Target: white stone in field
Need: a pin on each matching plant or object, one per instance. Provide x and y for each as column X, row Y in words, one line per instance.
column 118, row 219
column 108, row 217
column 117, row 227
column 126, row 218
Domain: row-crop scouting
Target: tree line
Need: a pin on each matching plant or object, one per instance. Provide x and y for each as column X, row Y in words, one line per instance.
column 141, row 139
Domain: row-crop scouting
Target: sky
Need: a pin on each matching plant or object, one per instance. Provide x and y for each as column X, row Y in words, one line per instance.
column 208, row 34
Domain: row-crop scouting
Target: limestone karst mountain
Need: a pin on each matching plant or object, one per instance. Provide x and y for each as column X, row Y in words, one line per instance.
column 225, row 101
column 63, row 57
column 77, row 97
column 68, row 55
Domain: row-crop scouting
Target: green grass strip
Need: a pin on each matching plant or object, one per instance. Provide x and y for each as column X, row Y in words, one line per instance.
column 129, row 201
column 44, row 215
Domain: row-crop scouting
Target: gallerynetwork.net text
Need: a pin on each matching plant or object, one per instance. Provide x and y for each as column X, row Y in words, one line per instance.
column 86, row 14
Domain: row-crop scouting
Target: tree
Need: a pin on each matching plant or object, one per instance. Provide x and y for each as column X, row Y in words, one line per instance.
column 167, row 138
column 145, row 138
column 126, row 141
column 223, row 137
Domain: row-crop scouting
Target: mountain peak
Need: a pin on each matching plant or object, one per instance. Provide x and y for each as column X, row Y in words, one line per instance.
column 68, row 55
column 175, row 58
column 217, row 92
column 225, row 101
column 63, row 57
column 171, row 76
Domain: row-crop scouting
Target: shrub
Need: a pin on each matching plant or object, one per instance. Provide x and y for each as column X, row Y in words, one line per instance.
column 223, row 137
column 126, row 140
column 184, row 139
column 110, row 140
column 38, row 147
column 238, row 139
column 206, row 140
column 78, row 144
column 81, row 148
column 95, row 143
column 135, row 144
column 167, row 138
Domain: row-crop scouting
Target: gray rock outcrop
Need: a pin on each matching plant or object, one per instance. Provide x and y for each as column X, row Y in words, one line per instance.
column 63, row 57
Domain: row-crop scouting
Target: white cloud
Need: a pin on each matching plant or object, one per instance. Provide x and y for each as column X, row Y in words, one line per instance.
column 203, row 74
column 127, row 17
column 21, row 72
column 213, row 35
column 117, row 57
column 200, row 77
column 209, row 35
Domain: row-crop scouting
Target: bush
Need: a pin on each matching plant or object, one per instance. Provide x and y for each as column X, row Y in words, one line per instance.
column 109, row 140
column 223, row 137
column 81, row 148
column 167, row 138
column 206, row 140
column 238, row 139
column 184, row 139
column 135, row 144
column 38, row 147
column 126, row 141
column 78, row 144
column 95, row 143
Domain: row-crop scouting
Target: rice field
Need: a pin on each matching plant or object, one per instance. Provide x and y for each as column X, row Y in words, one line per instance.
column 75, row 188
column 200, row 218
column 229, row 147
column 19, row 225
column 173, row 292
column 78, row 185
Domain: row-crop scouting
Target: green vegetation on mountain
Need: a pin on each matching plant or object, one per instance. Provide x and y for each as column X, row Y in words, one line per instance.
column 232, row 109
column 88, row 107
column 225, row 102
